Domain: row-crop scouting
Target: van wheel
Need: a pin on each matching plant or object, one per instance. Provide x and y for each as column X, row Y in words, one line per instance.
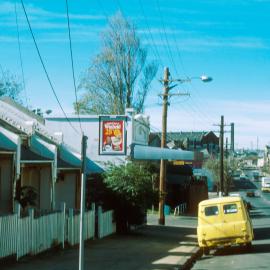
column 205, row 250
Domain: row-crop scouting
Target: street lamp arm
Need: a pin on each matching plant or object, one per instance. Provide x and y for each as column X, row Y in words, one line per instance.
column 203, row 78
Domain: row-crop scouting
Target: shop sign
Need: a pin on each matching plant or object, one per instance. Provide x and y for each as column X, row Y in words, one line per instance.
column 112, row 137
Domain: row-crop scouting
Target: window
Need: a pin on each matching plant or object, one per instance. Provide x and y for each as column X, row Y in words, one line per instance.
column 211, row 210
column 230, row 208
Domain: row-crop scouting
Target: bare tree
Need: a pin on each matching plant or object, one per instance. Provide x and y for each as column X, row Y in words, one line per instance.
column 119, row 76
column 230, row 166
column 10, row 86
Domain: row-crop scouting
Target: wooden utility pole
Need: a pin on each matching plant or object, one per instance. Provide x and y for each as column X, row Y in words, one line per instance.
column 232, row 138
column 221, row 139
column 165, row 96
column 162, row 179
column 83, row 180
column 226, row 148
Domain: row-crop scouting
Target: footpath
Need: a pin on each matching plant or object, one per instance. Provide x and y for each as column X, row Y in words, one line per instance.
column 150, row 247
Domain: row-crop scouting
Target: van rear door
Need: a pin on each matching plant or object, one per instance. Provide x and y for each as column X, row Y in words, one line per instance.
column 210, row 222
column 232, row 219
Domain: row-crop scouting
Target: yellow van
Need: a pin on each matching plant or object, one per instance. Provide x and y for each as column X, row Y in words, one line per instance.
column 223, row 221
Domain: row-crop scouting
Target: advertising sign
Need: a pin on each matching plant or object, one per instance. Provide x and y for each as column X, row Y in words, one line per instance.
column 112, row 136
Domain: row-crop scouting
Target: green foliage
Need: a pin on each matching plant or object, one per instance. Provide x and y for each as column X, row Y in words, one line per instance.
column 132, row 182
column 230, row 165
column 27, row 196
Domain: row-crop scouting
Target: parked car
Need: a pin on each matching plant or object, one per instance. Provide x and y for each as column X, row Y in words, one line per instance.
column 266, row 184
column 250, row 193
column 243, row 177
column 223, row 222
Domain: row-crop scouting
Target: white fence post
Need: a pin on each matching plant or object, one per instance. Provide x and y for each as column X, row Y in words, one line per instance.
column 63, row 220
column 71, row 226
column 31, row 230
column 100, row 222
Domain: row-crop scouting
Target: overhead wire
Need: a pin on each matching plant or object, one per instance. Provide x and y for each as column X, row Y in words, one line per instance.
column 20, row 54
column 44, row 68
column 122, row 12
column 185, row 73
column 156, row 52
column 167, row 41
column 166, row 37
column 166, row 44
column 72, row 67
column 179, row 55
column 153, row 46
column 195, row 110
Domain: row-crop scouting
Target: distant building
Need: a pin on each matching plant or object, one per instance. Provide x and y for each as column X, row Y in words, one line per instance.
column 199, row 141
column 267, row 156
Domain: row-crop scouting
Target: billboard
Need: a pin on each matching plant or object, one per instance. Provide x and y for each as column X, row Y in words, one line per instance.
column 112, row 138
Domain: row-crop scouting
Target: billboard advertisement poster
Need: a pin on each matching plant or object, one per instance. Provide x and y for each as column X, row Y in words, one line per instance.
column 112, row 137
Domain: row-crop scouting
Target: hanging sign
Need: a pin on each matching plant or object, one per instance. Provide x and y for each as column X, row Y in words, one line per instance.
column 112, row 137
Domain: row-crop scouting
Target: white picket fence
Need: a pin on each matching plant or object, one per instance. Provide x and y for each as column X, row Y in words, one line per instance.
column 73, row 226
column 106, row 226
column 29, row 235
column 40, row 234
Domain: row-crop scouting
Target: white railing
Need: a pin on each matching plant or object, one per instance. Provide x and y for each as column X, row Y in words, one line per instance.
column 20, row 236
column 106, row 226
column 180, row 209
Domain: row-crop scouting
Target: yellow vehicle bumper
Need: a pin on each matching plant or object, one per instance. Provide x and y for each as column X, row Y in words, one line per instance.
column 228, row 241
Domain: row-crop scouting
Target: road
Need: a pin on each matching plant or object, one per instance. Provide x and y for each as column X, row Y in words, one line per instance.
column 239, row 257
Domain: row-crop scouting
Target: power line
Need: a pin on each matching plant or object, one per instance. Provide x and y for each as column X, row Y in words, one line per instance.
column 166, row 37
column 167, row 41
column 157, row 55
column 151, row 36
column 72, row 67
column 20, row 54
column 44, row 68
column 178, row 53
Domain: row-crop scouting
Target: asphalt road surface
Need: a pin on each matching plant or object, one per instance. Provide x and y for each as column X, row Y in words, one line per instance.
column 240, row 257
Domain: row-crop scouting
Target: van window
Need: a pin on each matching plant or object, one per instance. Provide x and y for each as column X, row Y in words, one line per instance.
column 230, row 208
column 211, row 210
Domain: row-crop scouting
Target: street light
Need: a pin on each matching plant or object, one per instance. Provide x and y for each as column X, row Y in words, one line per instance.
column 166, row 83
column 203, row 78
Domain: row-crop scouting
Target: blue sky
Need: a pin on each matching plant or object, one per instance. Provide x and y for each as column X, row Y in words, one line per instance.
column 226, row 39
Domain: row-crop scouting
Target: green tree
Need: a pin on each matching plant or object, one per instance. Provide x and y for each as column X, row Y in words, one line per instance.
column 119, row 76
column 10, row 86
column 133, row 187
column 230, row 165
